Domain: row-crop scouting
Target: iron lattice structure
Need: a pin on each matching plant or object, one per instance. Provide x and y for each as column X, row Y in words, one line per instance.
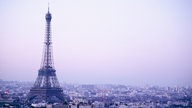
column 46, row 86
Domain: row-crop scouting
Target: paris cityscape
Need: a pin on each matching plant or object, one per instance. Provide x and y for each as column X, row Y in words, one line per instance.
column 102, row 96
column 128, row 54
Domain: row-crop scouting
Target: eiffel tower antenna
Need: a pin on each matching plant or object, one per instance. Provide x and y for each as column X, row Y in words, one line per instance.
column 48, row 6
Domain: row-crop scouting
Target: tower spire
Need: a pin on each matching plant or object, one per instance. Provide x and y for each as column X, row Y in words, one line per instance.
column 48, row 7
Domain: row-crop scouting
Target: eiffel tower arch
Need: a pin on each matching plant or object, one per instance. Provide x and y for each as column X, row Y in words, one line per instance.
column 46, row 87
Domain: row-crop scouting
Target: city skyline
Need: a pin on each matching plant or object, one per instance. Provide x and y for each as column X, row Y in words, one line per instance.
column 99, row 42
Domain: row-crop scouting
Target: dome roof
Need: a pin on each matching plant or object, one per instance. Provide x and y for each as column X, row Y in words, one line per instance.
column 48, row 16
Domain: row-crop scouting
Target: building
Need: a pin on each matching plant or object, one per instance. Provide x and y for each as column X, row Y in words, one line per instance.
column 46, row 87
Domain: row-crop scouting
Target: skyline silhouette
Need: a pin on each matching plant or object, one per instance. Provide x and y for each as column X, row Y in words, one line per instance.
column 99, row 42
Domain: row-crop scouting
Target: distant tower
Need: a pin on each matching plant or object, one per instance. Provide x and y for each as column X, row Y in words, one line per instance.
column 46, row 87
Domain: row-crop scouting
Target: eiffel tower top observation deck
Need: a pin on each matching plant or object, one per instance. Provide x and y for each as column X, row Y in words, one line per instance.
column 46, row 85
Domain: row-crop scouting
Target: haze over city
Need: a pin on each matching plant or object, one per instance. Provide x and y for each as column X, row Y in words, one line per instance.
column 131, row 42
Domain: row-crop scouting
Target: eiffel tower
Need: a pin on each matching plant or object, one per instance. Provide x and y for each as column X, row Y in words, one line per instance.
column 46, row 87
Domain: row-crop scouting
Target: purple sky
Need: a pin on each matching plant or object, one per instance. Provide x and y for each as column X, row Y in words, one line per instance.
column 132, row 42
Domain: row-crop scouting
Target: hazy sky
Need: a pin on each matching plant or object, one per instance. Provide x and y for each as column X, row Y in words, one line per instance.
column 134, row 42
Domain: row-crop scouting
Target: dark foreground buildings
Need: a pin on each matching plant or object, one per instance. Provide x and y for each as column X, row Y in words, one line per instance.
column 46, row 87
column 13, row 95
